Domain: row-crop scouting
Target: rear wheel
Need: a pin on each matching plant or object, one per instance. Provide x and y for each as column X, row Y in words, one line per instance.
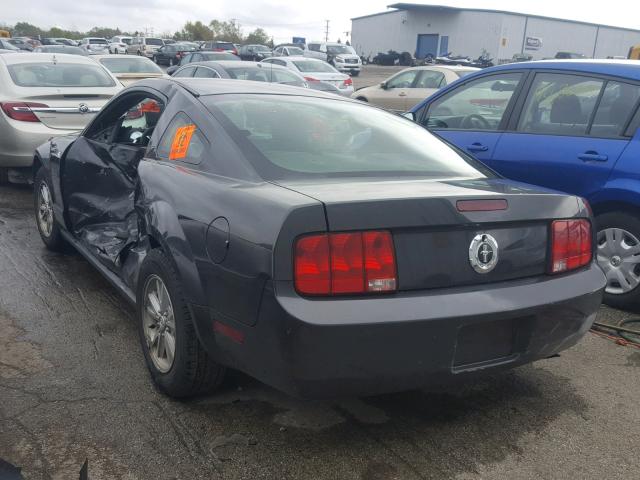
column 43, row 203
column 618, row 248
column 362, row 99
column 179, row 365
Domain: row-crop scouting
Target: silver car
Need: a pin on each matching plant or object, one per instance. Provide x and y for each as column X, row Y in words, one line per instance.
column 43, row 95
column 95, row 45
column 315, row 70
column 144, row 46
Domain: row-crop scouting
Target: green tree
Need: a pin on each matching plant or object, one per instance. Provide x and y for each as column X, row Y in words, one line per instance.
column 258, row 36
column 229, row 31
column 195, row 31
column 24, row 29
column 103, row 32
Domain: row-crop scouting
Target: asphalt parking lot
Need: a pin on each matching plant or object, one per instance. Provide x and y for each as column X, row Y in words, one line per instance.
column 73, row 386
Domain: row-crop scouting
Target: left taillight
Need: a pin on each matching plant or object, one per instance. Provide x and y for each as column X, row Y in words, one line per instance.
column 571, row 245
column 21, row 111
column 345, row 263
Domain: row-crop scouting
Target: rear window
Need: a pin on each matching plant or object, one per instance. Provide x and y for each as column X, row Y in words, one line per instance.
column 225, row 45
column 125, row 64
column 219, row 56
column 249, row 73
column 154, row 41
column 98, row 41
column 311, row 66
column 59, row 75
column 292, row 137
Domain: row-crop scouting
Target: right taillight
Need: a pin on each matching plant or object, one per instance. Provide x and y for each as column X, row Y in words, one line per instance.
column 21, row 111
column 345, row 263
column 571, row 245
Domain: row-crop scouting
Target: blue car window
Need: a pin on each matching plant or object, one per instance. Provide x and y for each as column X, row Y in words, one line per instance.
column 477, row 105
column 616, row 106
column 560, row 104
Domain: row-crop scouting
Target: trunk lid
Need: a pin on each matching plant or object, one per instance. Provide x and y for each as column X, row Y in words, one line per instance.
column 433, row 238
column 69, row 111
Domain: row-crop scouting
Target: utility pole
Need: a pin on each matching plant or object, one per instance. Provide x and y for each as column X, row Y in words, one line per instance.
column 326, row 31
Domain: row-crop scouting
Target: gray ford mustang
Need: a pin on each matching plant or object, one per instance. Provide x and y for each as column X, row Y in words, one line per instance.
column 323, row 246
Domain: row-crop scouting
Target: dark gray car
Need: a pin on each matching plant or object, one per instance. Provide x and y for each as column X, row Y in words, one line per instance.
column 321, row 245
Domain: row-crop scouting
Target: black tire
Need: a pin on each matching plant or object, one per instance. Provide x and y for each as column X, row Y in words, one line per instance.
column 629, row 300
column 192, row 372
column 362, row 99
column 54, row 240
column 4, row 176
column 171, row 62
column 154, row 60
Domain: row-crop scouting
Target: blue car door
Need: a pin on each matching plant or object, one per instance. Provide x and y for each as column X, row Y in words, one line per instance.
column 569, row 134
column 473, row 114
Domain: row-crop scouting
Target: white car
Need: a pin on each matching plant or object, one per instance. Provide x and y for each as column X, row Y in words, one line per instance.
column 95, row 45
column 118, row 44
column 43, row 95
column 315, row 70
column 341, row 56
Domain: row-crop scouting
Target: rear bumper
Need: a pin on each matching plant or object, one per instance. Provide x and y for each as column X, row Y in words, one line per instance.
column 19, row 140
column 322, row 348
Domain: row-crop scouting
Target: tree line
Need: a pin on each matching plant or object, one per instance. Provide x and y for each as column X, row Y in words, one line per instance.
column 215, row 30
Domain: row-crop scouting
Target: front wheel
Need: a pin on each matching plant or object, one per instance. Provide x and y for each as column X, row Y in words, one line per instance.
column 618, row 253
column 43, row 203
column 178, row 363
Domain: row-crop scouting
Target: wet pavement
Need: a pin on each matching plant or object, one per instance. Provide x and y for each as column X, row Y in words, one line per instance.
column 73, row 386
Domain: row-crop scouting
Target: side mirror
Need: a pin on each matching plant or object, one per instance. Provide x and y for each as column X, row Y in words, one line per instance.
column 383, row 85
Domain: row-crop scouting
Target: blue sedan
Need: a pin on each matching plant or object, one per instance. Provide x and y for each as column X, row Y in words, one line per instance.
column 566, row 125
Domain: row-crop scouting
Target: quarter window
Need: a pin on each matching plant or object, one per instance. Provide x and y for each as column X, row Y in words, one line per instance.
column 182, row 141
column 560, row 104
column 618, row 102
column 477, row 105
column 203, row 72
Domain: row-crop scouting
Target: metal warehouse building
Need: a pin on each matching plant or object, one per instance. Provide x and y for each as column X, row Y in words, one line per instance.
column 436, row 30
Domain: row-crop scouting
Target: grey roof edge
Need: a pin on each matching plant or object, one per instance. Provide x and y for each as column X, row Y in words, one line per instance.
column 418, row 6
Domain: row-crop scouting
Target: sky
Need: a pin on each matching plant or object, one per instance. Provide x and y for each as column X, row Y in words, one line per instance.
column 282, row 19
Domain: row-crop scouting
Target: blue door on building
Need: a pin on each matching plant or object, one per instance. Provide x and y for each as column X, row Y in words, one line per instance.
column 427, row 45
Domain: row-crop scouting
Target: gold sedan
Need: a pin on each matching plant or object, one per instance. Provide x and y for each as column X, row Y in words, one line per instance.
column 409, row 87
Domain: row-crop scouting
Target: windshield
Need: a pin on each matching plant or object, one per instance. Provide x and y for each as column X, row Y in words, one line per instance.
column 291, row 137
column 98, row 41
column 154, row 41
column 59, row 75
column 295, row 51
column 311, row 66
column 338, row 49
column 7, row 46
column 121, row 64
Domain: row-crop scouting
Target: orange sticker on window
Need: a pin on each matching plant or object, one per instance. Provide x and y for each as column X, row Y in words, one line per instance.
column 181, row 142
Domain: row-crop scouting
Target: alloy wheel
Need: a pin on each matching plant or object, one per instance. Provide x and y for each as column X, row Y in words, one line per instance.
column 159, row 324
column 45, row 210
column 619, row 257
